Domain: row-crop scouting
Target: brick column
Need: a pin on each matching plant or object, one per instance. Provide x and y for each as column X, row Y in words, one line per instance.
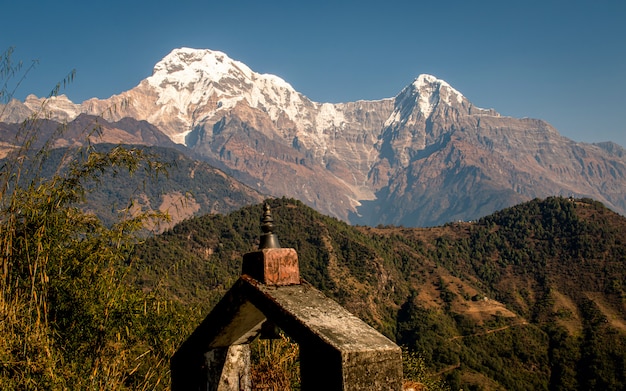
column 273, row 266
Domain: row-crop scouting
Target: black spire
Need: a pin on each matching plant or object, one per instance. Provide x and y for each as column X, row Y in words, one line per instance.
column 268, row 238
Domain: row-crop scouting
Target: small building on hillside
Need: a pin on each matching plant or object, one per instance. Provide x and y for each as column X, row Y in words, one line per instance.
column 338, row 351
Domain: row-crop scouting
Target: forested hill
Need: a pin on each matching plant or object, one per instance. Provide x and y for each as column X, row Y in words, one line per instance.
column 531, row 297
column 188, row 187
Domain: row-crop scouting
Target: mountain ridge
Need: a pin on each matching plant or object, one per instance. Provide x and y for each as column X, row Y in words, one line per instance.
column 422, row 158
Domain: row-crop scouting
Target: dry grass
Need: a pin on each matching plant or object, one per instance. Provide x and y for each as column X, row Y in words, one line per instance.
column 275, row 365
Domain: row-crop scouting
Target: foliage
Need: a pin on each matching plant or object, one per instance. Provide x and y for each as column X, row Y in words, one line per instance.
column 70, row 320
column 418, row 375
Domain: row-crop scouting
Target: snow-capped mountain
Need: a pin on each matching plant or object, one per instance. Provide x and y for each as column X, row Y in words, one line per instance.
column 424, row 157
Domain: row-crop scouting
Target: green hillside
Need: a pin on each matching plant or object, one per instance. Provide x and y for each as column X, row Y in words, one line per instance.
column 528, row 298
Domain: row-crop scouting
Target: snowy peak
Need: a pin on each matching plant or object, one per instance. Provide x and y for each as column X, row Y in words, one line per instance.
column 419, row 100
column 186, row 67
column 427, row 92
column 432, row 91
column 192, row 77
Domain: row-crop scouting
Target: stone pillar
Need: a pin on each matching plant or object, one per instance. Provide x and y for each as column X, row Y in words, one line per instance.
column 228, row 369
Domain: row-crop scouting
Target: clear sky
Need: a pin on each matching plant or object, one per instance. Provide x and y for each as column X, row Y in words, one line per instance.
column 563, row 61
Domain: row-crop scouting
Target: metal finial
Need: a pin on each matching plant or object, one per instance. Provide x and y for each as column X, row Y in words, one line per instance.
column 268, row 238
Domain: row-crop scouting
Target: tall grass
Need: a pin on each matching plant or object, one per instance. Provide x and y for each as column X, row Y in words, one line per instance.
column 68, row 317
column 275, row 364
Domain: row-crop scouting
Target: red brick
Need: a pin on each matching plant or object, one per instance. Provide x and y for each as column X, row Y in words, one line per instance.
column 273, row 266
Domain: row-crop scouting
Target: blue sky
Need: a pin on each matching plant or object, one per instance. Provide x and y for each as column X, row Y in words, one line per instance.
column 563, row 61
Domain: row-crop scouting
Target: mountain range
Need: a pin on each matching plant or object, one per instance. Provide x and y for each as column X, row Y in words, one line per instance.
column 423, row 158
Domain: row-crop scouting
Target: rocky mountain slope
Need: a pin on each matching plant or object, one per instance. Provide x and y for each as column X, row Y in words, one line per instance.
column 188, row 187
column 422, row 158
